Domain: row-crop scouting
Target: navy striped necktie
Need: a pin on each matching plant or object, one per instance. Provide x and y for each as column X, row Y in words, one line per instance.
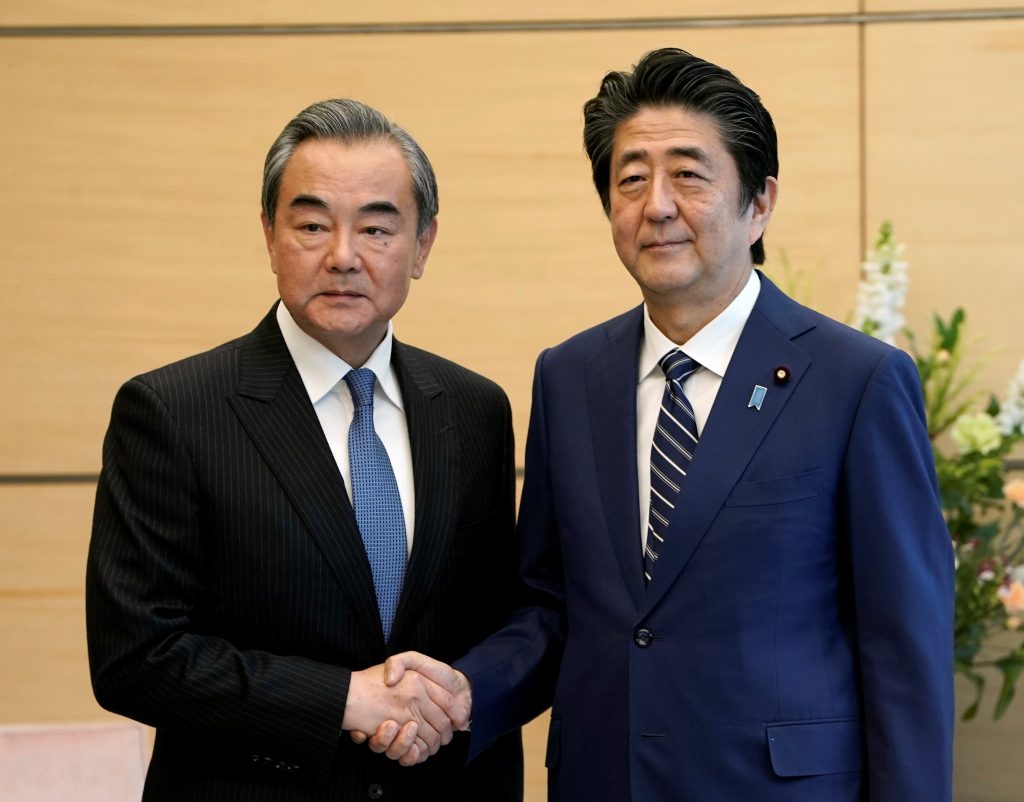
column 675, row 439
column 378, row 505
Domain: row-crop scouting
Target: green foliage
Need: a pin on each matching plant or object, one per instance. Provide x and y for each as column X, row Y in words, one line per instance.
column 984, row 525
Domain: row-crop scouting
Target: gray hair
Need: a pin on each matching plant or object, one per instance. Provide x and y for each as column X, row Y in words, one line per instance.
column 349, row 121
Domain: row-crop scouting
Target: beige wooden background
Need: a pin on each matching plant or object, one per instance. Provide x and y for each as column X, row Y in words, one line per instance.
column 130, row 159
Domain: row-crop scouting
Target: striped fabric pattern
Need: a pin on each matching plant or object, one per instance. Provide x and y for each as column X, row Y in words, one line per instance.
column 228, row 591
column 675, row 440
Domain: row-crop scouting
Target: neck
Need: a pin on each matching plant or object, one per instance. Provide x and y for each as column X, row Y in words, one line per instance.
column 354, row 350
column 679, row 317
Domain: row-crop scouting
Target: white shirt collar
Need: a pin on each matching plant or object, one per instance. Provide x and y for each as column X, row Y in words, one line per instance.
column 321, row 369
column 712, row 347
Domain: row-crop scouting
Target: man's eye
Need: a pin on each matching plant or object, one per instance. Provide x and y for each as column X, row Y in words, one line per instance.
column 632, row 179
column 312, row 228
column 376, row 231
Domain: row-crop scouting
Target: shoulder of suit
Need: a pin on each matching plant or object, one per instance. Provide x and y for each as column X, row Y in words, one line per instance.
column 218, row 365
column 596, row 337
column 834, row 334
column 449, row 374
column 222, row 358
column 823, row 338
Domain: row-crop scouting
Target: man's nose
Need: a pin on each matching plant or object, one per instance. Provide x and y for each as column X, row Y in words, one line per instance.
column 661, row 200
column 343, row 255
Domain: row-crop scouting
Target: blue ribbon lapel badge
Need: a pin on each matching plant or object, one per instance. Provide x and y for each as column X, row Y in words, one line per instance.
column 757, row 397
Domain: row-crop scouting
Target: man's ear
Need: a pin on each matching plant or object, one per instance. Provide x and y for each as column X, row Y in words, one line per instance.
column 268, row 236
column 761, row 207
column 424, row 242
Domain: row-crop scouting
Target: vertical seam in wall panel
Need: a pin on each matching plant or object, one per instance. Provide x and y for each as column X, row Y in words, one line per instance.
column 862, row 133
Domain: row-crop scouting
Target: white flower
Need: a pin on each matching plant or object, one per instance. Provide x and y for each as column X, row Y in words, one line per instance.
column 976, row 432
column 1011, row 409
column 883, row 289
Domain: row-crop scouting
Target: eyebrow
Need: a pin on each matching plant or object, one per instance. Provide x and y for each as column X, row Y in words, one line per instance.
column 380, row 207
column 308, row 200
column 373, row 207
column 695, row 153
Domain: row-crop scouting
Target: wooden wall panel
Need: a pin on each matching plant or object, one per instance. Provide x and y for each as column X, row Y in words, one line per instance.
column 872, row 6
column 985, row 766
column 43, row 661
column 130, row 177
column 44, row 536
column 44, row 532
column 129, row 182
column 943, row 130
column 535, row 742
column 270, row 12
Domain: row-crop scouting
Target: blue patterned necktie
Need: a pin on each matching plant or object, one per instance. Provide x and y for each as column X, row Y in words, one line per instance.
column 375, row 498
column 675, row 439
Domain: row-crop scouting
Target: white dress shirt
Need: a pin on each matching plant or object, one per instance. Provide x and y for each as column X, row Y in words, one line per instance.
column 323, row 375
column 712, row 347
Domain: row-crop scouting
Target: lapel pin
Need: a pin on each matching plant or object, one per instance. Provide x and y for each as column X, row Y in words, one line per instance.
column 781, row 374
column 757, row 397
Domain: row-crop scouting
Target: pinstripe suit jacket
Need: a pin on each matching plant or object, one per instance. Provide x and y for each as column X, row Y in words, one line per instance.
column 229, row 596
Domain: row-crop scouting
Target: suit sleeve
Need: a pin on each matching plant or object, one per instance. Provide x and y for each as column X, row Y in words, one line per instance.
column 903, row 584
column 149, row 658
column 513, row 672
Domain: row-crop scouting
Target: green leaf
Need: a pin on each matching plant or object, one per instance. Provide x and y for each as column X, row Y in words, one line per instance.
column 979, row 687
column 949, row 334
column 884, row 235
column 1012, row 665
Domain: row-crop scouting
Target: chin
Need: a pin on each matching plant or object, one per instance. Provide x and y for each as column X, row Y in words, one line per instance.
column 667, row 280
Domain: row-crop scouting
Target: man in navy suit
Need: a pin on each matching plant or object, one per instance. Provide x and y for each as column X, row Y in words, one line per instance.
column 233, row 592
column 730, row 524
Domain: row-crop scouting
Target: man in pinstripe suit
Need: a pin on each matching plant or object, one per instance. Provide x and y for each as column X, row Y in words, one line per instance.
column 230, row 600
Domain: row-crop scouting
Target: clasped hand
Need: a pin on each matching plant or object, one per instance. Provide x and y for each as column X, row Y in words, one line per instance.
column 412, row 705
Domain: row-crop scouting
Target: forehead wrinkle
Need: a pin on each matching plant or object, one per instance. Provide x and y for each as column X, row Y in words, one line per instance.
column 691, row 152
column 630, row 156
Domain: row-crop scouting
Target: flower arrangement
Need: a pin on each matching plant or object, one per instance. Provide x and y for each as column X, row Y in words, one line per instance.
column 983, row 508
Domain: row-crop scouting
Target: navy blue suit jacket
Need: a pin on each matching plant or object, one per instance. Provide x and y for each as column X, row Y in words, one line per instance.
column 795, row 642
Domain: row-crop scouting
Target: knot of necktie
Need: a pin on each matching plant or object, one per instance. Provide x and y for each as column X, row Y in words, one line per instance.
column 677, row 366
column 361, row 383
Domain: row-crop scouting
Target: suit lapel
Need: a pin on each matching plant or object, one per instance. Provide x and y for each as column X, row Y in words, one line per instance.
column 274, row 408
column 611, row 377
column 734, row 431
column 433, row 442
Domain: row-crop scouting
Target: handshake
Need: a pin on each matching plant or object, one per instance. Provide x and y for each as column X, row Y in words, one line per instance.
column 408, row 707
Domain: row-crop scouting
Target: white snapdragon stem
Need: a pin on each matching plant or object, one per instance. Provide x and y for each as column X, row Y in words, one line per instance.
column 1011, row 408
column 882, row 291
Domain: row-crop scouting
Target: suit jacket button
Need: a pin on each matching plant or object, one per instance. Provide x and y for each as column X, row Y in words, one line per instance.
column 375, row 791
column 642, row 638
